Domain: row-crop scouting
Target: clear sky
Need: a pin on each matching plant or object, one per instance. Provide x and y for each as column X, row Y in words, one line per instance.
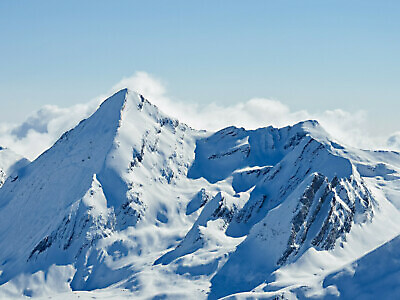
column 313, row 55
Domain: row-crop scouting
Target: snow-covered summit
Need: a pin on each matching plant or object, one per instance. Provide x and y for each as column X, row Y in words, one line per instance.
column 133, row 200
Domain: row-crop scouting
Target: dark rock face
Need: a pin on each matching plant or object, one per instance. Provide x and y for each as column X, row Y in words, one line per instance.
column 334, row 203
column 351, row 202
column 2, row 177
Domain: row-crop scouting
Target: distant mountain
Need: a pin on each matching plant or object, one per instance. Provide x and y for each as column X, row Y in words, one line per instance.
column 133, row 203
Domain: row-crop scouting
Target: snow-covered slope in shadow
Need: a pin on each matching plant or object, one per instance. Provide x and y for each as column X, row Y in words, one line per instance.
column 374, row 276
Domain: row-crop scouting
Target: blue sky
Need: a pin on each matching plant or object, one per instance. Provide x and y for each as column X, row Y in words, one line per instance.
column 313, row 55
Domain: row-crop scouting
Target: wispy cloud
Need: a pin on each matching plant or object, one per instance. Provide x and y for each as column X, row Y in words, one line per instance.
column 43, row 127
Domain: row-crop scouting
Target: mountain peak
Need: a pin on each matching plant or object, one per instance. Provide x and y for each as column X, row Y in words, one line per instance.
column 132, row 102
column 308, row 126
column 114, row 102
column 311, row 122
column 117, row 101
column 221, row 212
column 125, row 132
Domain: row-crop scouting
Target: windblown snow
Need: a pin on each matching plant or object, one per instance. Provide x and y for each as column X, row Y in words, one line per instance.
column 132, row 203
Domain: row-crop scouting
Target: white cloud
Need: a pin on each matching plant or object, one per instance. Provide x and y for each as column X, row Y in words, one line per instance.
column 45, row 126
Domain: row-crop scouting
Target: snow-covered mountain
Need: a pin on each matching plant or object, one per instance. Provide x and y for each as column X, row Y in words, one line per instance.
column 132, row 203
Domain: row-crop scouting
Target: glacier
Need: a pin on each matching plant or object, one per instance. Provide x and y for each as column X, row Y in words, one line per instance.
column 133, row 203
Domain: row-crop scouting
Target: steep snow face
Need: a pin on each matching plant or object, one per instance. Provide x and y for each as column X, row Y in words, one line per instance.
column 358, row 280
column 57, row 179
column 133, row 203
column 10, row 163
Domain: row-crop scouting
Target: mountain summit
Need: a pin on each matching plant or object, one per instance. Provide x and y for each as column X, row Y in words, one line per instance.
column 132, row 202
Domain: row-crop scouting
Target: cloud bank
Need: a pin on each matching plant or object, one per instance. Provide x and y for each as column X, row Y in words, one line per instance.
column 43, row 127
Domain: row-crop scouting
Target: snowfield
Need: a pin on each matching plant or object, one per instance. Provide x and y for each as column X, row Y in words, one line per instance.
column 134, row 204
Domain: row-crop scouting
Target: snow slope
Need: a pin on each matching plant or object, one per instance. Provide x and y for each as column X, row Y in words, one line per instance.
column 134, row 203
